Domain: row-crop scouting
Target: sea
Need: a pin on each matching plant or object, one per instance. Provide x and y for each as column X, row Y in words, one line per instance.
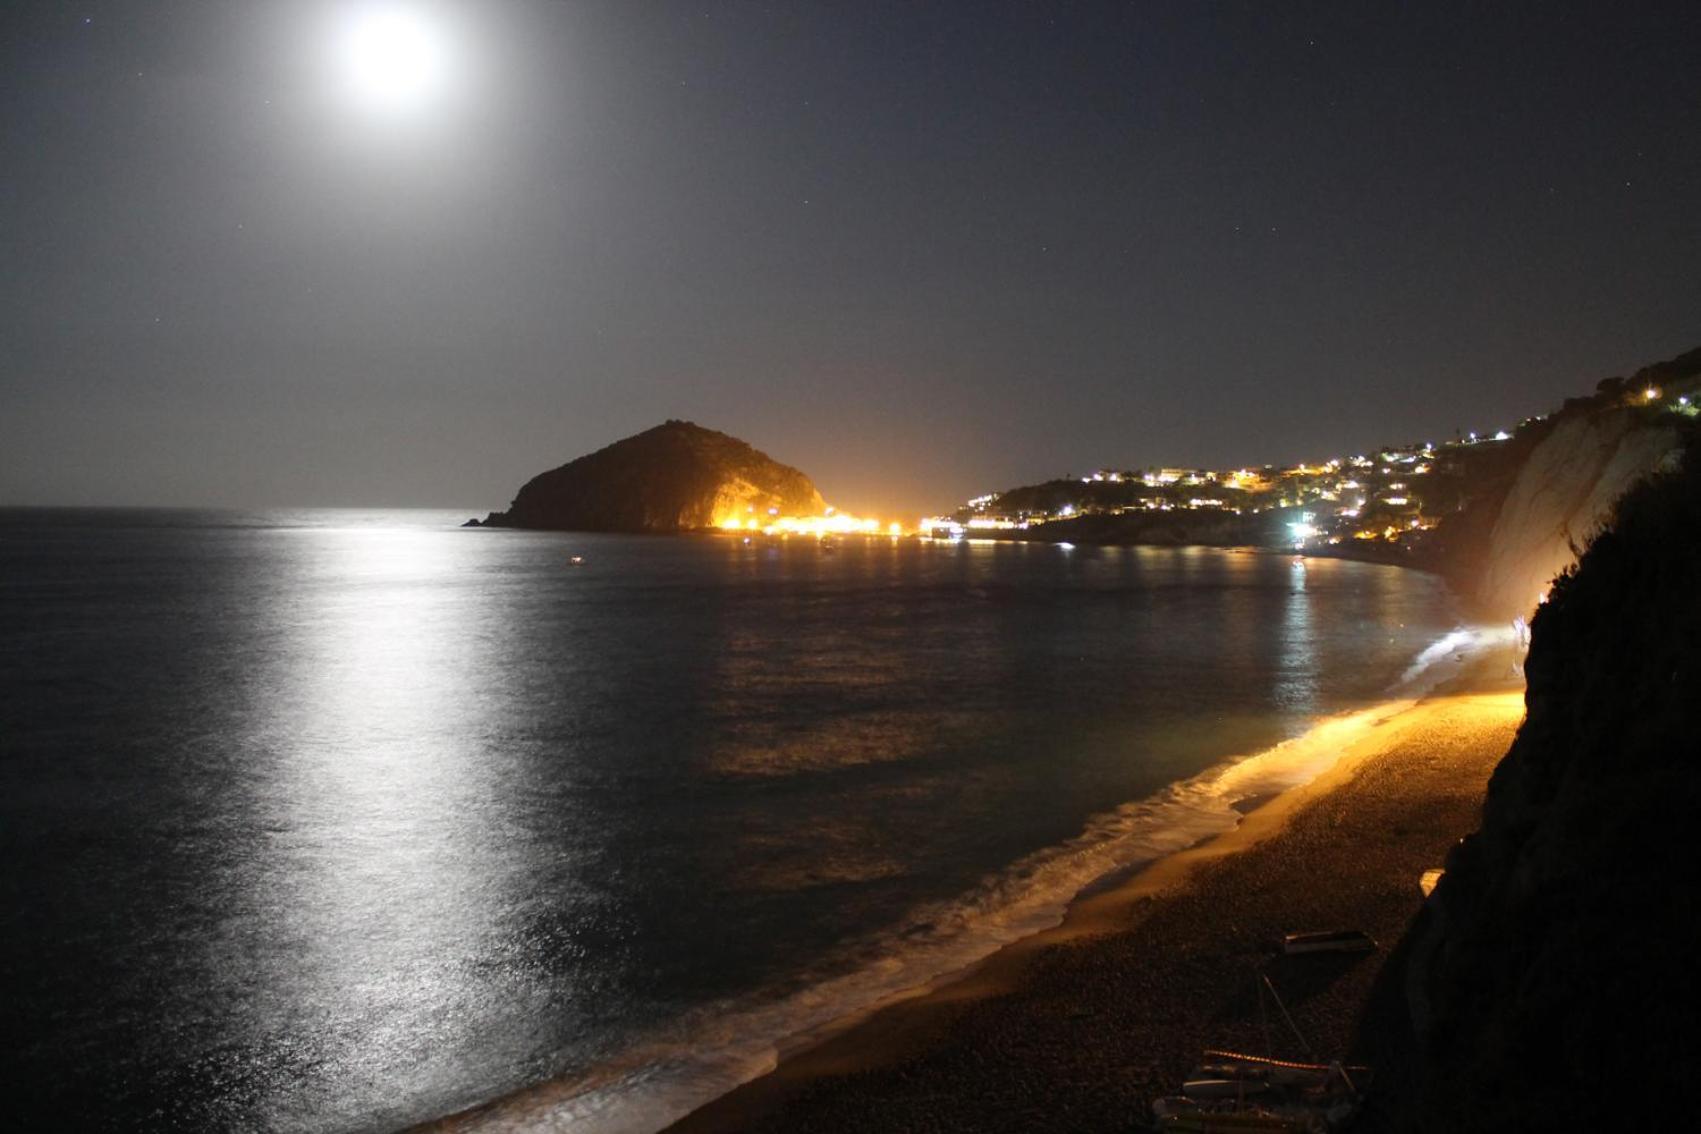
column 343, row 820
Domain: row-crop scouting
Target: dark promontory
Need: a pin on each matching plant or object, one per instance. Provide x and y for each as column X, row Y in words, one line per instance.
column 1555, row 963
column 673, row 478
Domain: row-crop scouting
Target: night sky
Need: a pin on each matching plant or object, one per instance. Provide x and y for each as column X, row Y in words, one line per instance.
column 919, row 250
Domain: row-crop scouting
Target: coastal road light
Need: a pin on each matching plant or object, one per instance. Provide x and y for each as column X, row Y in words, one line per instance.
column 1303, row 529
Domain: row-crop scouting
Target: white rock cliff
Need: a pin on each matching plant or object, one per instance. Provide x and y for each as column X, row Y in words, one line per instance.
column 1562, row 497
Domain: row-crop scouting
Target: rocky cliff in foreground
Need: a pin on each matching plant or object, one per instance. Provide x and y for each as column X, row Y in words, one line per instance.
column 1553, row 976
column 675, row 477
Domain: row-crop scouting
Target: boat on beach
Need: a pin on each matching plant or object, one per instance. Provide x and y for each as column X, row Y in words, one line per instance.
column 1231, row 1091
column 1329, row 941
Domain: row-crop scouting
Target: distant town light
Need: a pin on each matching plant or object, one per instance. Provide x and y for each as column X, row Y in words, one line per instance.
column 1303, row 530
column 1652, row 394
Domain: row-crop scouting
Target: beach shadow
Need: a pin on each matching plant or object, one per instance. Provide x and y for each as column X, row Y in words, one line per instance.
column 1383, row 1038
column 1301, row 977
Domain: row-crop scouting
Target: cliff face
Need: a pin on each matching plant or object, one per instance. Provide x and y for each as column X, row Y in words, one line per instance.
column 1556, row 980
column 1529, row 508
column 1561, row 497
column 675, row 477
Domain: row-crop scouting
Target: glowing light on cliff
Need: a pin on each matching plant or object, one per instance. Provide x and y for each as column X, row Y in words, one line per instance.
column 835, row 524
column 831, row 522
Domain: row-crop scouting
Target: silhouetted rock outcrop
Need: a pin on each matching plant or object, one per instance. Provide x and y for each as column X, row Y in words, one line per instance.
column 675, row 477
column 1554, row 976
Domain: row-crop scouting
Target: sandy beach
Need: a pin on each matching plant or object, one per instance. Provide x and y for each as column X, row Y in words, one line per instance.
column 1081, row 1027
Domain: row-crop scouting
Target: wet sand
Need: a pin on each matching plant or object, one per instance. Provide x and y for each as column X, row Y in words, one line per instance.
column 1080, row 1028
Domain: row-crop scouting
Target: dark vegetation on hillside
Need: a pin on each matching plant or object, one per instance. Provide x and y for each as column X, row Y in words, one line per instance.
column 1201, row 527
column 1102, row 496
column 1555, row 976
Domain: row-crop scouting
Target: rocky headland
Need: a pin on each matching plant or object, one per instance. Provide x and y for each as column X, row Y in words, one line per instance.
column 676, row 477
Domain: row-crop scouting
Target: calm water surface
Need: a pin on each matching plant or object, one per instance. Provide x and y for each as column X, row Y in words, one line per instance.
column 340, row 820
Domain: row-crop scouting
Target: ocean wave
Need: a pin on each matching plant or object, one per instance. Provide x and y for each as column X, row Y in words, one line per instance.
column 1447, row 658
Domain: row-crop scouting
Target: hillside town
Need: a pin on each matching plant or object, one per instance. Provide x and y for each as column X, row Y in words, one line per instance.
column 1374, row 502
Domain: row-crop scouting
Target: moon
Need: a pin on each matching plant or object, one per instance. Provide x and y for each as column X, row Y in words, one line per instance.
column 393, row 58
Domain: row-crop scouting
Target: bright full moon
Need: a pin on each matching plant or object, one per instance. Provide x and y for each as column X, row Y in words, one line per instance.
column 393, row 58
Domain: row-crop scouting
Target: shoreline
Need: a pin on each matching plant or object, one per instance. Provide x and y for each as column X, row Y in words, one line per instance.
column 827, row 1078
column 1263, row 792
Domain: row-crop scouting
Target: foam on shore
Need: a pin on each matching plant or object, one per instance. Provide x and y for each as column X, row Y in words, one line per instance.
column 717, row 1048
